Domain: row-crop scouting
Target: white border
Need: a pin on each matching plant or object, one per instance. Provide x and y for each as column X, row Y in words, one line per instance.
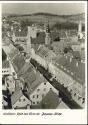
column 68, row 116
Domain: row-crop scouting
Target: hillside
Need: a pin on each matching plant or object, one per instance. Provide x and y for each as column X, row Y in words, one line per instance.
column 60, row 21
column 49, row 16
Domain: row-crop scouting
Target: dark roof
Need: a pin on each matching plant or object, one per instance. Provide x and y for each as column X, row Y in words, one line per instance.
column 54, row 36
column 40, row 39
column 50, row 101
column 76, row 54
column 16, row 96
column 78, row 71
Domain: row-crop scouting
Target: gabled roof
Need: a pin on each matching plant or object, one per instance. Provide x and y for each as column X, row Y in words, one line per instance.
column 16, row 96
column 34, row 80
column 78, row 71
column 18, row 62
column 25, row 68
column 45, row 52
column 5, row 64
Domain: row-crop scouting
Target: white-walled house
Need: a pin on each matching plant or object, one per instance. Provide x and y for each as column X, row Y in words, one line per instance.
column 41, row 91
column 18, row 100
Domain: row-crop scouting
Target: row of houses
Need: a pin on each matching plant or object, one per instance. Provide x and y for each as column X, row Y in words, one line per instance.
column 27, row 87
column 66, row 69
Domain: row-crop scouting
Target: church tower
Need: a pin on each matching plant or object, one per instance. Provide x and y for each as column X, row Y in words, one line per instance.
column 47, row 38
column 13, row 34
column 29, row 41
column 80, row 34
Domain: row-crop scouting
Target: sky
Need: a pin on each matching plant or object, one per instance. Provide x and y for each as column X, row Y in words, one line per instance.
column 54, row 8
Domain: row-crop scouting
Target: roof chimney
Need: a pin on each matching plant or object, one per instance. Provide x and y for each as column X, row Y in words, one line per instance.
column 66, row 56
column 77, row 64
column 70, row 59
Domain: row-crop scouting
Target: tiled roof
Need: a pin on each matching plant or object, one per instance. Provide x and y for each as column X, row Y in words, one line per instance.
column 5, row 64
column 24, row 69
column 5, row 41
column 13, row 52
column 16, row 96
column 78, row 71
column 59, row 46
column 43, row 51
column 39, row 79
column 46, row 53
column 18, row 62
column 34, row 80
column 40, row 39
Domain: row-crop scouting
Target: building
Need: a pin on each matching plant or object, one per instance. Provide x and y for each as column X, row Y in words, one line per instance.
column 41, row 91
column 67, row 69
column 71, row 73
column 80, row 34
column 35, row 85
column 19, row 101
column 48, row 37
column 50, row 101
column 44, row 56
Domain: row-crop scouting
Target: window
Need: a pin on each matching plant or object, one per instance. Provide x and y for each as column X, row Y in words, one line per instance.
column 33, row 96
column 44, row 83
column 23, row 99
column 38, row 90
column 7, row 84
column 37, row 96
column 37, row 102
column 16, row 107
column 33, row 102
